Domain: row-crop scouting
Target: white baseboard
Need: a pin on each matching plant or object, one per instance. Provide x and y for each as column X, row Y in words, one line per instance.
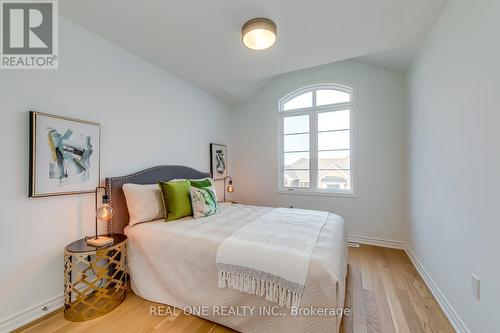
column 448, row 310
column 27, row 316
column 376, row 242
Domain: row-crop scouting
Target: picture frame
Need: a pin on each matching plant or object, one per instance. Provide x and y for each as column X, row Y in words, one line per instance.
column 218, row 161
column 64, row 155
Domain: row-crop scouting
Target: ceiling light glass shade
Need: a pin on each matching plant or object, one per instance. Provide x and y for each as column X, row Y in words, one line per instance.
column 259, row 33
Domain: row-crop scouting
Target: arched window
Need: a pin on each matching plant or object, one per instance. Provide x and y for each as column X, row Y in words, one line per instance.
column 315, row 140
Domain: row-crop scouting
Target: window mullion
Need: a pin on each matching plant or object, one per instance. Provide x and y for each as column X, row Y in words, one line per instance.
column 313, row 151
column 313, row 147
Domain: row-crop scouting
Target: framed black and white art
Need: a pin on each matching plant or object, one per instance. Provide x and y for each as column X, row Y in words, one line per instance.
column 64, row 155
column 218, row 161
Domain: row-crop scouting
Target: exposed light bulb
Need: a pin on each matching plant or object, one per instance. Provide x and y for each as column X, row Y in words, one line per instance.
column 105, row 212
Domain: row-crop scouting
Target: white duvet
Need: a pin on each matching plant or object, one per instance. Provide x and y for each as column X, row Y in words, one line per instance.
column 174, row 263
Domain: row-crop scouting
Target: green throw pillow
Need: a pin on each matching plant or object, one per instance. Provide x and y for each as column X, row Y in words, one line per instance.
column 176, row 199
column 201, row 183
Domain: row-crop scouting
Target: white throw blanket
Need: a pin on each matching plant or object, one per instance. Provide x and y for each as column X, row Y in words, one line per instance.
column 270, row 256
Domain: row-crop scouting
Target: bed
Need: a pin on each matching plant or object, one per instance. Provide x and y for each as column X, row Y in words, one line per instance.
column 174, row 263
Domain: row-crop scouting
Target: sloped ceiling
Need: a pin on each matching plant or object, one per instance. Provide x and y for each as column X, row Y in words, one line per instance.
column 200, row 41
column 398, row 60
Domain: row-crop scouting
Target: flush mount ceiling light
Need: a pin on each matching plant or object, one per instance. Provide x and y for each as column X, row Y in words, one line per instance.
column 259, row 33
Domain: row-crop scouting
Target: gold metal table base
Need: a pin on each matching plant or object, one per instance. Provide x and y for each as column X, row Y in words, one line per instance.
column 95, row 282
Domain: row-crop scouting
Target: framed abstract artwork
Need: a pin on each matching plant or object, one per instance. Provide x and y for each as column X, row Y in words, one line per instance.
column 218, row 161
column 64, row 155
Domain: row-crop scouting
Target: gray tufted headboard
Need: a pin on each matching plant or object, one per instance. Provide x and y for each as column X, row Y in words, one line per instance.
column 148, row 176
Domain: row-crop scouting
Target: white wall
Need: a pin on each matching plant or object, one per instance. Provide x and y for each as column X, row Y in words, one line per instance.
column 379, row 130
column 148, row 117
column 455, row 158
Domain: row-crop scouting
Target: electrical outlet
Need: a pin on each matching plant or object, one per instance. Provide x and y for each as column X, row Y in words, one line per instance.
column 476, row 287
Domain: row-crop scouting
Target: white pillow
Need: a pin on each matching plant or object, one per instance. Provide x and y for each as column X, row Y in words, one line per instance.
column 144, row 202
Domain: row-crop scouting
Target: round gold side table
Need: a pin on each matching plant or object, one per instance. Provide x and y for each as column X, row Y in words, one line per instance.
column 95, row 278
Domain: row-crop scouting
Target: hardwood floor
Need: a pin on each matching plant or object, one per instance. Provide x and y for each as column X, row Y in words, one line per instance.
column 384, row 292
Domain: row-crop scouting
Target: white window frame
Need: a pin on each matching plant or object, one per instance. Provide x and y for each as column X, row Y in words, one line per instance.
column 313, row 130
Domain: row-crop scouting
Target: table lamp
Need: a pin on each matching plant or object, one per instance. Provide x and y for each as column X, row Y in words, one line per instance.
column 229, row 188
column 103, row 213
